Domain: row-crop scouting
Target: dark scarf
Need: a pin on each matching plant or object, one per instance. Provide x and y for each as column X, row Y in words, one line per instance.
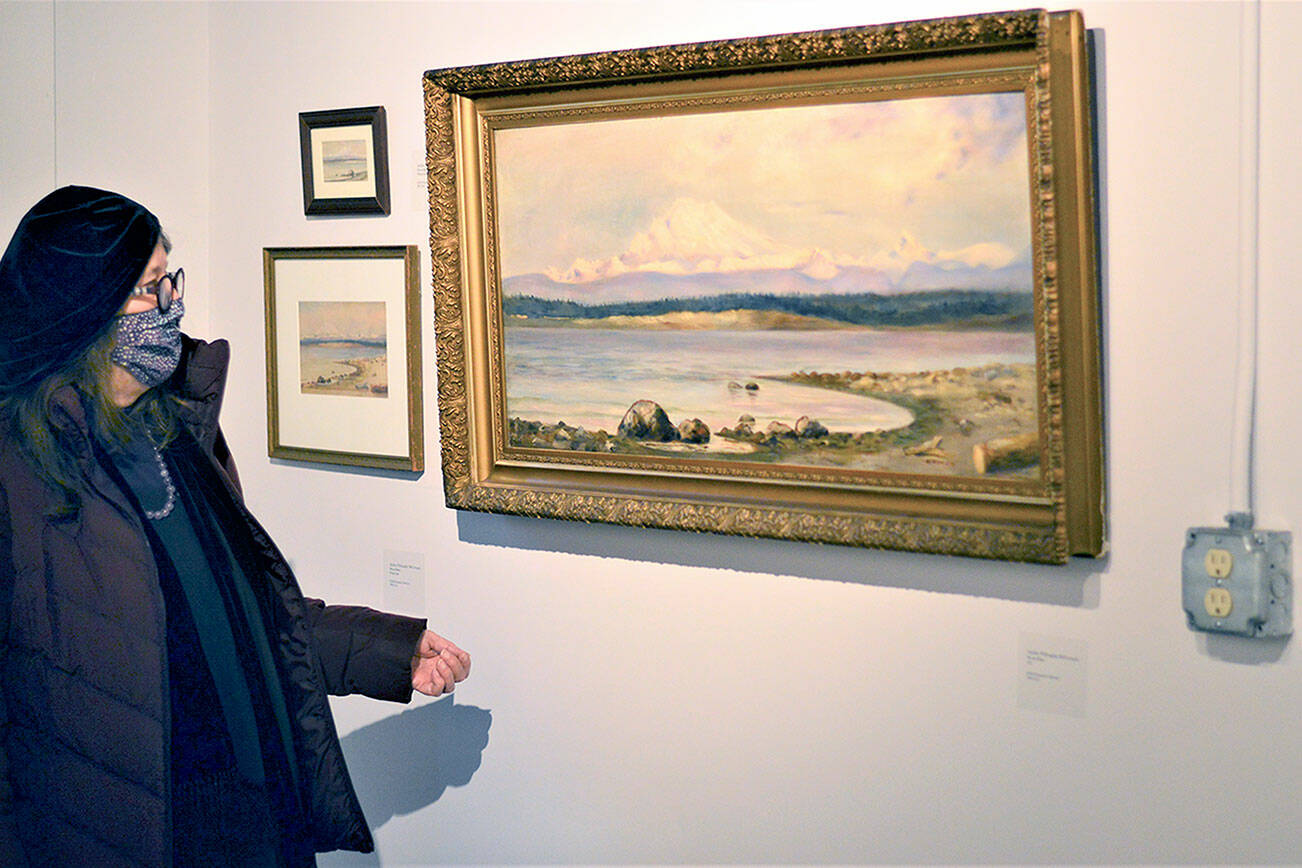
column 234, row 780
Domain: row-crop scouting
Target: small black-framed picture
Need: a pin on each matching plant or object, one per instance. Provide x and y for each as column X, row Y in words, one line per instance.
column 345, row 161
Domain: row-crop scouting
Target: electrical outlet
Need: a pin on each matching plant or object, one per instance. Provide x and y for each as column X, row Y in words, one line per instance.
column 1238, row 580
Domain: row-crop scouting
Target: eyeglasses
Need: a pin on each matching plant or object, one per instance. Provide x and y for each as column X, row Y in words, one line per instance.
column 167, row 288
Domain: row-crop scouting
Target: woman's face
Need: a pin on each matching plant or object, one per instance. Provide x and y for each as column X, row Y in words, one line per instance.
column 154, row 269
column 126, row 389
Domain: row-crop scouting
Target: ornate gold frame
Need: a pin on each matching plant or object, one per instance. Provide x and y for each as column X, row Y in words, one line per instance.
column 1045, row 520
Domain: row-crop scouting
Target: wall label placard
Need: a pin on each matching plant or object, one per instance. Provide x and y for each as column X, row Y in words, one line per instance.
column 403, row 575
column 1052, row 674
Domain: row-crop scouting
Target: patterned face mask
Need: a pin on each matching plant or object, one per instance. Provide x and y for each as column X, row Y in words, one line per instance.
column 148, row 343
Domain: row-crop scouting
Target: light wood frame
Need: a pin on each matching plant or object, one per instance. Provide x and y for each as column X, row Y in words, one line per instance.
column 368, row 428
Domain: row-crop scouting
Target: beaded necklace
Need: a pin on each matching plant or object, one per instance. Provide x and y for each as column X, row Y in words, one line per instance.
column 167, row 507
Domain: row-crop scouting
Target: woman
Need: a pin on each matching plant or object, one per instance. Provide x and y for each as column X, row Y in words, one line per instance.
column 165, row 681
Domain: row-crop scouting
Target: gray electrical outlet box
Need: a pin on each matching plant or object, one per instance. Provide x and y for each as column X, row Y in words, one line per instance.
column 1239, row 580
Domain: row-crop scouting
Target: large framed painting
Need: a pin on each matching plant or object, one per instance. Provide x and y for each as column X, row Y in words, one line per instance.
column 343, row 356
column 835, row 286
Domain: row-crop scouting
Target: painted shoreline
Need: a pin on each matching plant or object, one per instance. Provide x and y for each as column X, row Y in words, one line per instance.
column 954, row 411
column 363, row 377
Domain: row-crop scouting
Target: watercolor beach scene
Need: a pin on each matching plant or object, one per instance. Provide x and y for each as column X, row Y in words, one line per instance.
column 344, row 160
column 343, row 348
column 847, row 285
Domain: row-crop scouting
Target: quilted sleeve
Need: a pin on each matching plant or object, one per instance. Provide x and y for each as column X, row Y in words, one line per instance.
column 364, row 651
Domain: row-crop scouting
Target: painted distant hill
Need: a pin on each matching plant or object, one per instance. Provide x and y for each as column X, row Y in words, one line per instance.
column 696, row 249
column 378, row 341
column 922, row 276
column 649, row 286
column 696, row 259
column 1013, row 311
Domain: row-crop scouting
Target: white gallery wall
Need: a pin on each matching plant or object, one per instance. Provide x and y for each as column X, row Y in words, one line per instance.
column 662, row 697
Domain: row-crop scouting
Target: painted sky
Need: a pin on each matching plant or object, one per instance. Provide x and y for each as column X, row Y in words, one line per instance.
column 359, row 320
column 855, row 181
column 344, row 149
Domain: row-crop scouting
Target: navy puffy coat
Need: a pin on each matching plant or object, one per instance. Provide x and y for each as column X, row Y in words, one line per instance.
column 84, row 716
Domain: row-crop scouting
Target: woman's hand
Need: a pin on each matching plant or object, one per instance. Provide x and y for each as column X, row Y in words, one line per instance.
column 438, row 665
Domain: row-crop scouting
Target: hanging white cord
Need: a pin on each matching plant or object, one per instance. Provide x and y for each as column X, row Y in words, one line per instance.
column 1245, row 389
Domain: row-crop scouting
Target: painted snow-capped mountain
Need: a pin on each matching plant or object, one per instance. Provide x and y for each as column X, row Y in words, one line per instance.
column 696, row 248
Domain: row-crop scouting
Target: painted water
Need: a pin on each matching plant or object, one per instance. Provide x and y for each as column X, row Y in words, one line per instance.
column 590, row 377
column 345, row 169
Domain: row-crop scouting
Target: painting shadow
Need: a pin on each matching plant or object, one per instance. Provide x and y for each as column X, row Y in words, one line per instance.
column 406, row 762
column 1075, row 584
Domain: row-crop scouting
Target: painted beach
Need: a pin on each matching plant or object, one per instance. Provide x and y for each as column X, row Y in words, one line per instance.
column 343, row 349
column 900, row 401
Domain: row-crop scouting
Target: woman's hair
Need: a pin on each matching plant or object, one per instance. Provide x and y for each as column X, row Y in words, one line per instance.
column 29, row 416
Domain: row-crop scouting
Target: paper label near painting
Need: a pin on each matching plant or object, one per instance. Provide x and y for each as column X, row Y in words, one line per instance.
column 1051, row 674
column 404, row 582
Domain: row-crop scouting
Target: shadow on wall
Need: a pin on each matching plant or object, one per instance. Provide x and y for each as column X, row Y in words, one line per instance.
column 1075, row 585
column 404, row 763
